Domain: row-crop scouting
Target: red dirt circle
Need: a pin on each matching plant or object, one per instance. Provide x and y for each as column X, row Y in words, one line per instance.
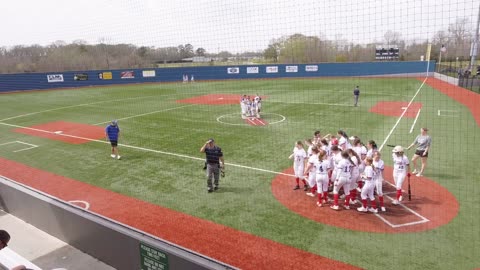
column 431, row 206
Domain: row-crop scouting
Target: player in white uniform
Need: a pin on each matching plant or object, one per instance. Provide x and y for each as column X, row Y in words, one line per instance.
column 310, row 170
column 361, row 151
column 322, row 166
column 355, row 175
column 343, row 176
column 335, row 157
column 258, row 101
column 299, row 155
column 372, row 148
column 343, row 141
column 243, row 106
column 379, row 166
column 401, row 167
column 369, row 175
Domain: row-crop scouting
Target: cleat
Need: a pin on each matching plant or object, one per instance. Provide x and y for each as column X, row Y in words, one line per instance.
column 414, row 171
column 419, row 175
column 359, row 189
column 310, row 194
column 325, row 201
column 215, row 188
column 210, row 190
column 118, row 157
column 112, row 155
column 319, row 204
column 373, row 210
column 335, row 207
column 395, row 202
column 342, row 196
column 296, row 187
column 400, row 198
column 383, row 209
column 347, row 207
column 305, row 188
column 354, row 202
column 362, row 209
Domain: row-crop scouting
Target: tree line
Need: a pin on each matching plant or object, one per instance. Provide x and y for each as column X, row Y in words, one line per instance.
column 295, row 49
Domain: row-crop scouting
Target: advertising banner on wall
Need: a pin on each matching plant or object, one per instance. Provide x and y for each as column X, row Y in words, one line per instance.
column 233, row 70
column 271, row 69
column 148, row 73
column 80, row 77
column 105, row 75
column 291, row 69
column 251, row 70
column 311, row 68
column 54, row 78
column 127, row 74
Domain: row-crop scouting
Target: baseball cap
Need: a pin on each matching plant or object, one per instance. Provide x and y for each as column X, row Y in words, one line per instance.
column 211, row 140
column 114, row 122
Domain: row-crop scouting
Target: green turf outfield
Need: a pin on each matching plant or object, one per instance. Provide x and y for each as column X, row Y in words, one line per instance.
column 155, row 121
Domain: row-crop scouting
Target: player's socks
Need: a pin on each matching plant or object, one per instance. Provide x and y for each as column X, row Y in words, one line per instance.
column 314, row 189
column 320, row 197
column 399, row 193
column 380, row 199
column 360, row 184
column 304, row 182
column 347, row 199
column 353, row 194
column 298, row 181
column 364, row 203
column 325, row 196
column 335, row 199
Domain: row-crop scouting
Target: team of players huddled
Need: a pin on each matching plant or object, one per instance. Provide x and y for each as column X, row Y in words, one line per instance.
column 249, row 107
column 337, row 163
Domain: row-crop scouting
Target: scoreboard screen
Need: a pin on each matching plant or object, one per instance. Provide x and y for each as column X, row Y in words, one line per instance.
column 387, row 53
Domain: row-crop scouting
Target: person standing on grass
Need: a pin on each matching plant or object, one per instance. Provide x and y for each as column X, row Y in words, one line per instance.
column 215, row 162
column 423, row 142
column 112, row 133
column 401, row 169
column 356, row 95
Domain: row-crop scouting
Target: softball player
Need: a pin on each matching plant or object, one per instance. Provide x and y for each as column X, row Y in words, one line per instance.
column 343, row 142
column 310, row 170
column 367, row 191
column 299, row 155
column 401, row 167
column 322, row 166
column 335, row 157
column 372, row 148
column 355, row 175
column 342, row 179
column 380, row 166
column 243, row 106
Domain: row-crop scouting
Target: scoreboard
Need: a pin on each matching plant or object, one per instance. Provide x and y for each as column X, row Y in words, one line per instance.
column 390, row 52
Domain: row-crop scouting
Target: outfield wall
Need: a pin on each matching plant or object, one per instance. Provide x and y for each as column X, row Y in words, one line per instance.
column 51, row 80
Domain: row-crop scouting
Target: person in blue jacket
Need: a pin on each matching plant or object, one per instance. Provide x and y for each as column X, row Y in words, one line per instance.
column 112, row 133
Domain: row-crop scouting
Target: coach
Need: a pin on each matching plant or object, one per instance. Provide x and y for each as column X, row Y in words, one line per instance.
column 214, row 163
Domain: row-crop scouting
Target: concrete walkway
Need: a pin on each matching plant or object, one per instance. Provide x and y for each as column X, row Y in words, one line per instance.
column 43, row 250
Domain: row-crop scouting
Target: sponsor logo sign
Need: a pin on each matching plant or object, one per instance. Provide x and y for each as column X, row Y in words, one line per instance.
column 311, row 68
column 291, row 69
column 54, row 78
column 233, row 70
column 127, row 75
column 80, row 77
column 148, row 73
column 251, row 70
column 105, row 75
column 271, row 69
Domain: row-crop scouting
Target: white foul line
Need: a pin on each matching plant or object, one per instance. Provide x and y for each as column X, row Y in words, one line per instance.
column 143, row 114
column 415, row 121
column 401, row 116
column 71, row 106
column 23, row 149
column 147, row 149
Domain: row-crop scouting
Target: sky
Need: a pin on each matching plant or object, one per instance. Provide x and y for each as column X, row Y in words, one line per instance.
column 235, row 26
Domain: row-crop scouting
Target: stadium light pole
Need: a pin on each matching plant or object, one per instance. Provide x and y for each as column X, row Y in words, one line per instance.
column 474, row 48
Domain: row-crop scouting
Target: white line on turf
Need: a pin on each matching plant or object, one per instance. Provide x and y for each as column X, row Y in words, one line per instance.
column 20, row 142
column 147, row 149
column 401, row 116
column 71, row 106
column 415, row 121
column 143, row 114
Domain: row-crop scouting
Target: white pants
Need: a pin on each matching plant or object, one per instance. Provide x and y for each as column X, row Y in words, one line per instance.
column 322, row 182
column 367, row 190
column 298, row 169
column 312, row 179
column 379, row 185
column 342, row 182
column 399, row 177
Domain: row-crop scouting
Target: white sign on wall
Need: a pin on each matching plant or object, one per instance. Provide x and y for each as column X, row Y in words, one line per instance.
column 233, row 70
column 291, row 69
column 251, row 70
column 311, row 68
column 55, row 78
column 271, row 69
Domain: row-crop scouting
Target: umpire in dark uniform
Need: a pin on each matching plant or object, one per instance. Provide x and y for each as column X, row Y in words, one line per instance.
column 214, row 163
